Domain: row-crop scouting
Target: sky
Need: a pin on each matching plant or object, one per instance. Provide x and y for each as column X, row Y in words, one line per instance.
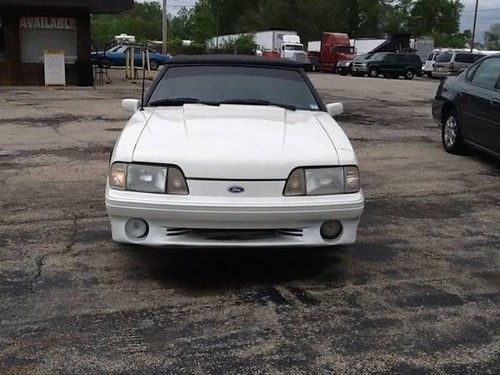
column 489, row 13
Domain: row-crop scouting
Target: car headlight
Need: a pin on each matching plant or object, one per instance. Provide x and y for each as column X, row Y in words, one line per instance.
column 323, row 181
column 148, row 179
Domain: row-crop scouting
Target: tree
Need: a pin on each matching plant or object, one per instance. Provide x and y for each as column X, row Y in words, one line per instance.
column 441, row 17
column 492, row 37
column 143, row 21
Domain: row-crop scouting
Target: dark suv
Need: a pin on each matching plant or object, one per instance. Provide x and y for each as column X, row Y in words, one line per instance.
column 391, row 65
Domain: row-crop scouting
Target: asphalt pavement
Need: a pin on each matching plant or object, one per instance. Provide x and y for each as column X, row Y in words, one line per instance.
column 418, row 293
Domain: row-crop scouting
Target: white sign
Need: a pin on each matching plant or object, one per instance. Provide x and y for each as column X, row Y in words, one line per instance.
column 48, row 23
column 55, row 72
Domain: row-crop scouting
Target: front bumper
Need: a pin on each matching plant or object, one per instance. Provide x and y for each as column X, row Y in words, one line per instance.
column 441, row 73
column 233, row 222
column 360, row 69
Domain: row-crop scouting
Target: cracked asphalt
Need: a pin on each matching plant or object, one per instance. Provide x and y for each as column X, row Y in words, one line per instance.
column 418, row 293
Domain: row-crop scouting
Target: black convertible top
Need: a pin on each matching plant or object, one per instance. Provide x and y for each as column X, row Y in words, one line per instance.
column 232, row 60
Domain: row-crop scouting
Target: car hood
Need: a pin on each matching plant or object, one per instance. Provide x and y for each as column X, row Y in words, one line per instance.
column 235, row 142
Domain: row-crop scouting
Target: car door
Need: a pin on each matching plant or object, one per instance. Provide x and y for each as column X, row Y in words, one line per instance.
column 389, row 63
column 480, row 105
column 137, row 56
column 120, row 56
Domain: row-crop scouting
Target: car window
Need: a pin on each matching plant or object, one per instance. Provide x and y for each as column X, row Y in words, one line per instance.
column 390, row 57
column 468, row 58
column 414, row 59
column 377, row 56
column 445, row 57
column 223, row 83
column 487, row 73
column 470, row 72
column 402, row 59
column 430, row 57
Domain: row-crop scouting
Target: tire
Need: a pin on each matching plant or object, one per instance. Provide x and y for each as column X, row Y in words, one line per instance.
column 373, row 72
column 409, row 74
column 343, row 72
column 154, row 64
column 451, row 133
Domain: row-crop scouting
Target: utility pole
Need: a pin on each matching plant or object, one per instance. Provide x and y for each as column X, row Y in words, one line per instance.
column 474, row 28
column 164, row 26
column 217, row 16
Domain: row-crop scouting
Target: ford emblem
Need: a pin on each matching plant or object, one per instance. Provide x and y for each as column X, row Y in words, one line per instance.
column 236, row 190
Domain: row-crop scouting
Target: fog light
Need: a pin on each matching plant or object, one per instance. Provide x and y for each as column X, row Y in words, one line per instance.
column 331, row 229
column 136, row 228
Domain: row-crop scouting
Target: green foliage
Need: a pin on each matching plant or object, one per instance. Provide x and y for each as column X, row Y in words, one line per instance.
column 359, row 18
column 177, row 47
column 435, row 16
column 244, row 45
column 143, row 21
column 492, row 37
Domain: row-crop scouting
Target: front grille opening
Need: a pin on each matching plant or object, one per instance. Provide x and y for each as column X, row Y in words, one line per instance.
column 235, row 234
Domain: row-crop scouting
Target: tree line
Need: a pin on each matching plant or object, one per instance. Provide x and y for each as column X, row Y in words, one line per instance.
column 439, row 19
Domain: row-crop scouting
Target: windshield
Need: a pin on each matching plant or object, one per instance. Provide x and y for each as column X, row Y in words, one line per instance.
column 216, row 84
column 377, row 56
column 445, row 57
column 363, row 58
column 344, row 49
column 294, row 47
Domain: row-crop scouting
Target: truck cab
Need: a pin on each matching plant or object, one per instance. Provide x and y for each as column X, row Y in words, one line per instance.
column 335, row 47
column 293, row 49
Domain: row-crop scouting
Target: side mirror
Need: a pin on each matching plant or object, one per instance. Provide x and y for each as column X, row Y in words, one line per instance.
column 335, row 109
column 130, row 105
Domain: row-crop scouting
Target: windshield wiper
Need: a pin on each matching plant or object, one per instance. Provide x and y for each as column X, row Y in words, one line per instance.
column 180, row 102
column 258, row 102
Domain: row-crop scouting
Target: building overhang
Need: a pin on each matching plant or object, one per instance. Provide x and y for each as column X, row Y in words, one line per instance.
column 94, row 6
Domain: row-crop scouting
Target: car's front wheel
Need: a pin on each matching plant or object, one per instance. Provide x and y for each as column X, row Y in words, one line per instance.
column 373, row 72
column 451, row 134
column 409, row 74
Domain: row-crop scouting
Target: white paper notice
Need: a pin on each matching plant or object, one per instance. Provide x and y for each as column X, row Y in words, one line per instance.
column 55, row 73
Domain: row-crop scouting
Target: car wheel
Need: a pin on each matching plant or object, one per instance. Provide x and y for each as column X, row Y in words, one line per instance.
column 373, row 72
column 409, row 74
column 451, row 135
column 154, row 65
column 343, row 72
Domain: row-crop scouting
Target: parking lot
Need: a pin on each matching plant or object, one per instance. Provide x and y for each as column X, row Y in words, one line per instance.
column 418, row 292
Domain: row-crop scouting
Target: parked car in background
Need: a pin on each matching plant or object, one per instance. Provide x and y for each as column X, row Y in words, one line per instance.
column 467, row 107
column 451, row 63
column 359, row 60
column 117, row 56
column 334, row 47
column 390, row 64
column 258, row 161
column 429, row 63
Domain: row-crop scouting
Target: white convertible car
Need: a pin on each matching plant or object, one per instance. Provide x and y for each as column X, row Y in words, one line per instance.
column 233, row 151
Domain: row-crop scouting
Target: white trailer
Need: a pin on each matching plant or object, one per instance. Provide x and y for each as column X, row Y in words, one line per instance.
column 364, row 45
column 271, row 43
